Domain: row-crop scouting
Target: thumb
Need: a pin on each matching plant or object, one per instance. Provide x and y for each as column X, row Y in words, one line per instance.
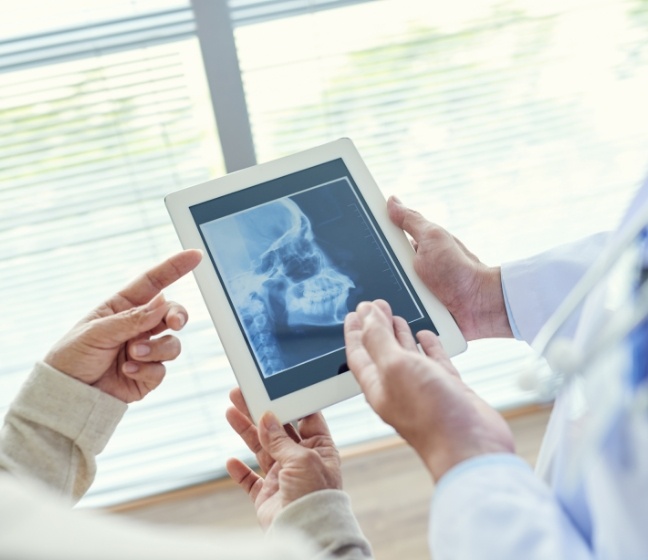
column 130, row 323
column 405, row 218
column 275, row 440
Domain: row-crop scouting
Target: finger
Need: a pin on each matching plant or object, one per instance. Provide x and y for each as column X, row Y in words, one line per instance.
column 404, row 334
column 314, row 425
column 160, row 349
column 132, row 323
column 432, row 347
column 401, row 328
column 153, row 281
column 408, row 220
column 384, row 307
column 237, row 399
column 356, row 354
column 276, row 441
column 148, row 375
column 431, row 344
column 245, row 477
column 244, row 427
column 378, row 336
column 236, row 396
column 248, row 432
column 175, row 319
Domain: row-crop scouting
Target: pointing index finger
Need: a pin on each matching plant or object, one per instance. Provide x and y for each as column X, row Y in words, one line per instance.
column 153, row 281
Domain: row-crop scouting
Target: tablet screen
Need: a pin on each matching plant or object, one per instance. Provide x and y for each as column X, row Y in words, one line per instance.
column 294, row 256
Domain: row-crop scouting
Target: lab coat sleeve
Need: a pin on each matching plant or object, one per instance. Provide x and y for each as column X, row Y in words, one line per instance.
column 55, row 428
column 494, row 507
column 534, row 287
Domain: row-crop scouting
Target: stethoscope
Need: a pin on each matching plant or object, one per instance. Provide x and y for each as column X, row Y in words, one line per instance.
column 557, row 359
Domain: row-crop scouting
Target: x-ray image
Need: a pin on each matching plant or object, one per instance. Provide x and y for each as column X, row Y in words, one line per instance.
column 294, row 267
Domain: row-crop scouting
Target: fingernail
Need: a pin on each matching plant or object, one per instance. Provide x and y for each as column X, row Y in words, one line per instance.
column 270, row 422
column 130, row 367
column 397, row 200
column 140, row 350
column 182, row 320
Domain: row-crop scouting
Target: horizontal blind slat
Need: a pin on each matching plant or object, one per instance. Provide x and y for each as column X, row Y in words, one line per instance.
column 102, row 37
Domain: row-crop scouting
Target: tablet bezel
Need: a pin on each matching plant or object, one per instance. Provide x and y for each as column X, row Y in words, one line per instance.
column 333, row 389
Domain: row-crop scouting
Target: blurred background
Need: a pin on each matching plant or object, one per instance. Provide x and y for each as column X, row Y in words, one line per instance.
column 515, row 124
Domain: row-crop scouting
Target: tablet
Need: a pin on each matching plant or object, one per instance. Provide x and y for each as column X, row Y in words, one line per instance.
column 291, row 247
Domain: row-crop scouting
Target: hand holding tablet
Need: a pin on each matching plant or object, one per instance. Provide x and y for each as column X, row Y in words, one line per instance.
column 294, row 245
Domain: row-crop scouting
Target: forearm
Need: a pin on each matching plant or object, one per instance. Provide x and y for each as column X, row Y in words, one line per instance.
column 326, row 518
column 54, row 429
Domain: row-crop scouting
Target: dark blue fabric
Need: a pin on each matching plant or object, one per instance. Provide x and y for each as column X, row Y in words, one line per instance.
column 639, row 336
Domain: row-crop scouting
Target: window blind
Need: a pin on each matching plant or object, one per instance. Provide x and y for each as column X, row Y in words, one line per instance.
column 247, row 12
column 512, row 124
column 99, row 122
column 104, row 36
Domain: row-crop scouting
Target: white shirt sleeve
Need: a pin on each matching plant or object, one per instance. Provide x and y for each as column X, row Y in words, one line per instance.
column 494, row 507
column 534, row 287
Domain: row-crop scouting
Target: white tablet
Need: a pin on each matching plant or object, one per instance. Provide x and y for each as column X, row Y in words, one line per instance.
column 291, row 246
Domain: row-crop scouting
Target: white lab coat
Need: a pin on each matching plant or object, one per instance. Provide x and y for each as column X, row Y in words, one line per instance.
column 591, row 501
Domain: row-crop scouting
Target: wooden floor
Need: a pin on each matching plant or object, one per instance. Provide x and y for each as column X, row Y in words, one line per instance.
column 388, row 486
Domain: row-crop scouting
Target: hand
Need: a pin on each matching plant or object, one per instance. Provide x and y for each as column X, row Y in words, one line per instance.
column 421, row 396
column 469, row 289
column 295, row 462
column 112, row 347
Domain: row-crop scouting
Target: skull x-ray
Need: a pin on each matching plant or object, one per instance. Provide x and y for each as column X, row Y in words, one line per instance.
column 278, row 277
column 294, row 257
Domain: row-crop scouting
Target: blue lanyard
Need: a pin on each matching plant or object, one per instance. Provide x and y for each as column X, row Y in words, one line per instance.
column 639, row 336
column 639, row 341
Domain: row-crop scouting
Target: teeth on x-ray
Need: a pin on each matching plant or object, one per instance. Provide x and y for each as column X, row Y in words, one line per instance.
column 289, row 283
column 295, row 271
column 320, row 300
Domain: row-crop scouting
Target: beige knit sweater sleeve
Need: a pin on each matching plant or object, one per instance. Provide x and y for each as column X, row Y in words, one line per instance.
column 55, row 428
column 52, row 433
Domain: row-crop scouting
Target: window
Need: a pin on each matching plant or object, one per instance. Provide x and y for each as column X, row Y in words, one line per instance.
column 114, row 116
column 483, row 115
column 513, row 124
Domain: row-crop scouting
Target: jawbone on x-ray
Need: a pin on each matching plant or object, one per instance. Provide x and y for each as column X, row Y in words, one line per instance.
column 278, row 278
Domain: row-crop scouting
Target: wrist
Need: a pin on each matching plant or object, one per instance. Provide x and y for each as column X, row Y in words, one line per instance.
column 65, row 366
column 488, row 435
column 439, row 463
column 492, row 320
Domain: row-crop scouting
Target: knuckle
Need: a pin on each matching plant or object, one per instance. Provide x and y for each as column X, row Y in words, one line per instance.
column 136, row 316
column 312, row 460
column 433, row 233
column 392, row 364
